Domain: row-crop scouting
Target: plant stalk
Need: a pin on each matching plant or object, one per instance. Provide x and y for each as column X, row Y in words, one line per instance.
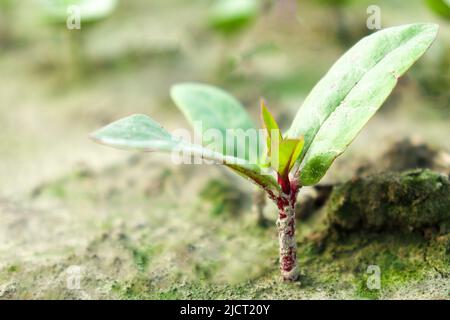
column 286, row 233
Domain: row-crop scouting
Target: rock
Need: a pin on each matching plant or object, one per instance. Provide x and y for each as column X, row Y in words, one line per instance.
column 415, row 200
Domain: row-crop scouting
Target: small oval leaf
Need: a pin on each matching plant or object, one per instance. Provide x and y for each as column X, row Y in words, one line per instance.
column 142, row 133
column 215, row 109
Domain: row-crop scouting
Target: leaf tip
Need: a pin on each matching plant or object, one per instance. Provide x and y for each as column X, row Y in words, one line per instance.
column 262, row 103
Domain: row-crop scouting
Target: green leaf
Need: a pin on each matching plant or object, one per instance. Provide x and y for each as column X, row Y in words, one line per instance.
column 231, row 15
column 287, row 150
column 283, row 161
column 270, row 124
column 266, row 181
column 215, row 109
column 352, row 91
column 140, row 132
column 137, row 132
column 296, row 153
column 440, row 7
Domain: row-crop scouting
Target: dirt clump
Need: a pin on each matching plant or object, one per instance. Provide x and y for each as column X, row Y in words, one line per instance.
column 414, row 200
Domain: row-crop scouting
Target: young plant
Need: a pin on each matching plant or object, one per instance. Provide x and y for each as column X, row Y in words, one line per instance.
column 62, row 13
column 329, row 119
column 91, row 11
column 229, row 16
column 229, row 19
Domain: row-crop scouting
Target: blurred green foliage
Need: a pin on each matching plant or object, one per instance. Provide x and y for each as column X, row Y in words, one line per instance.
column 440, row 7
column 57, row 11
column 229, row 16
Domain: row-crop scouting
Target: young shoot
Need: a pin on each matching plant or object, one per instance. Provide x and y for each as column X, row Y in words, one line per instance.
column 330, row 118
column 72, row 17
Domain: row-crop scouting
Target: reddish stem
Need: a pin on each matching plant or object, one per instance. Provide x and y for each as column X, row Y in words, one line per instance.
column 284, row 184
column 286, row 229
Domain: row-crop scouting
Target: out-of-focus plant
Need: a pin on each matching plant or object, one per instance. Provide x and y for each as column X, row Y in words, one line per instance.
column 63, row 13
column 230, row 16
column 92, row 11
column 6, row 7
column 434, row 75
column 440, row 7
column 229, row 19
column 330, row 118
column 346, row 29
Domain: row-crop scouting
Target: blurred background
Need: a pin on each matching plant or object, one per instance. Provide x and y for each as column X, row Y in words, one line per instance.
column 65, row 200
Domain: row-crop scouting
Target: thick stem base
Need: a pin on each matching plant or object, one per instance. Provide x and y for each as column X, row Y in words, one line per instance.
column 286, row 235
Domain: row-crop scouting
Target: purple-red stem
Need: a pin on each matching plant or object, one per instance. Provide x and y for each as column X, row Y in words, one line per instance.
column 286, row 229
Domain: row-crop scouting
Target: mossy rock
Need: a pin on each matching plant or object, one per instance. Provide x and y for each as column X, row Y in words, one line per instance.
column 438, row 254
column 415, row 200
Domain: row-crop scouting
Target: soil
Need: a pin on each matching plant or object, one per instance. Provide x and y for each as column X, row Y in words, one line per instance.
column 135, row 226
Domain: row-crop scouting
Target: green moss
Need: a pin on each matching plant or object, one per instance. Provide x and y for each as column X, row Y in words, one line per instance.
column 136, row 252
column 345, row 262
column 224, row 197
column 13, row 268
column 205, row 269
column 60, row 188
column 395, row 271
column 141, row 256
column 139, row 288
column 413, row 200
column 438, row 254
column 56, row 190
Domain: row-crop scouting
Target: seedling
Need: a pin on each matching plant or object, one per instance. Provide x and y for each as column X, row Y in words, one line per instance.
column 73, row 17
column 330, row 118
column 91, row 11
column 229, row 16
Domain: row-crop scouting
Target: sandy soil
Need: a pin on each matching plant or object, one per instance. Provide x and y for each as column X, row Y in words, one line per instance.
column 136, row 225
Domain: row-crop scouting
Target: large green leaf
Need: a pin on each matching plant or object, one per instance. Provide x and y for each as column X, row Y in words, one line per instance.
column 140, row 132
column 214, row 108
column 352, row 91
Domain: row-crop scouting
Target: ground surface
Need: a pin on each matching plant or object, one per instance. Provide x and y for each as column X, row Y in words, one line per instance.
column 140, row 227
